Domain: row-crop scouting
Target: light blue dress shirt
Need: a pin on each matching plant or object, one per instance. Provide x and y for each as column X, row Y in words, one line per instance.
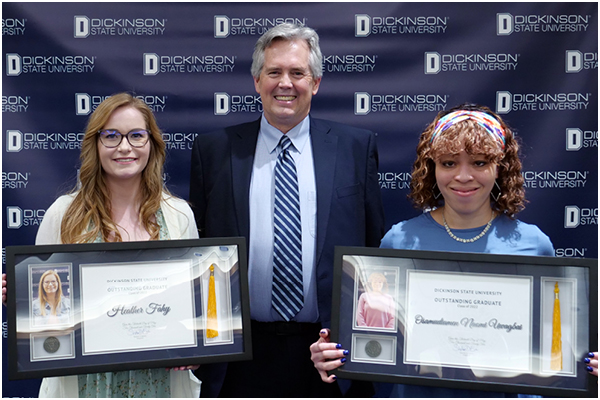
column 262, row 189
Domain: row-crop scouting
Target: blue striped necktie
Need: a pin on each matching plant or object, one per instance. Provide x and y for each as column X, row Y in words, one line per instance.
column 288, row 293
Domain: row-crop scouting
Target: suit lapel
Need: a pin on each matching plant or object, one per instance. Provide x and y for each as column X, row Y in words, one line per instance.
column 243, row 146
column 324, row 146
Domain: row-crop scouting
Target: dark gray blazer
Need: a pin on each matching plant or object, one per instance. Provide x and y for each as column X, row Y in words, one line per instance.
column 349, row 208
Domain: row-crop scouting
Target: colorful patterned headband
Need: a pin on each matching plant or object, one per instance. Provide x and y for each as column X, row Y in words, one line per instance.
column 489, row 123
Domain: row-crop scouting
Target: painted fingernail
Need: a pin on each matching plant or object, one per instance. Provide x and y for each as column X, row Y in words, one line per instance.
column 338, row 346
column 343, row 360
column 589, row 368
column 334, row 377
column 591, row 355
column 587, row 360
column 323, row 332
column 346, row 352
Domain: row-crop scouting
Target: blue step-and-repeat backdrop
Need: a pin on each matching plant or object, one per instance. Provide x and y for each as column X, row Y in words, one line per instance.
column 388, row 67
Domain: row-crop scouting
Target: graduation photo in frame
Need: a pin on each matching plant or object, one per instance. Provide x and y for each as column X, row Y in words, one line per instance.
column 376, row 299
column 513, row 324
column 86, row 308
column 50, row 295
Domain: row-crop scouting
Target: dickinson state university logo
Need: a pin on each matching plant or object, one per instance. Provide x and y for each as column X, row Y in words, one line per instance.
column 226, row 26
column 436, row 62
column 578, row 139
column 226, row 103
column 17, row 141
column 575, row 216
column 13, row 26
column 365, row 25
column 15, row 180
column 507, row 24
column 576, row 61
column 394, row 180
column 86, row 103
column 153, row 64
column 15, row 104
column 16, row 217
column 84, row 26
column 507, row 101
column 17, row 64
column 561, row 179
column 365, row 103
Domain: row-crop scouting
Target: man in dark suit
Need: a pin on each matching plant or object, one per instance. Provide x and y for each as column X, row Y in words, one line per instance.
column 232, row 193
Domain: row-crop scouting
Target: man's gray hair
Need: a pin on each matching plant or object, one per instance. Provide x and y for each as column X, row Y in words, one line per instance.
column 289, row 32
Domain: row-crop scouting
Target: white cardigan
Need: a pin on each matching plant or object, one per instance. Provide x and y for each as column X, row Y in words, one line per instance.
column 178, row 216
column 180, row 225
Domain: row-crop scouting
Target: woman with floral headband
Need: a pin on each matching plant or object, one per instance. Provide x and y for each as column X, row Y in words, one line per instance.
column 467, row 179
column 468, row 173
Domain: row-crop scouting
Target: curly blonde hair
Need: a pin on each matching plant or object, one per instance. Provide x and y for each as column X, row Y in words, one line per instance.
column 472, row 138
column 89, row 215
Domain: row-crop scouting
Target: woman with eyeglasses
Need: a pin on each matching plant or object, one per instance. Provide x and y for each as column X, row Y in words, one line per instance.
column 121, row 197
column 51, row 306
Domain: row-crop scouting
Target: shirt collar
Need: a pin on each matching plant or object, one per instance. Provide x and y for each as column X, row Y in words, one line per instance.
column 298, row 134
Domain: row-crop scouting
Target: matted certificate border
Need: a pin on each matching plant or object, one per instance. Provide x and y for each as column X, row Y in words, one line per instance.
column 578, row 277
column 477, row 315
column 37, row 351
column 108, row 336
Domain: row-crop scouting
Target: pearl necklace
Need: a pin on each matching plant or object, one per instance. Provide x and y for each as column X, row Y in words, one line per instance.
column 453, row 236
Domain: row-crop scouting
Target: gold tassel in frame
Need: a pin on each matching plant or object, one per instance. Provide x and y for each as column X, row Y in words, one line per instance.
column 556, row 351
column 212, row 326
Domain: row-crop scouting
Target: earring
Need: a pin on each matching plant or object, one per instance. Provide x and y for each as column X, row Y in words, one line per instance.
column 439, row 193
column 497, row 196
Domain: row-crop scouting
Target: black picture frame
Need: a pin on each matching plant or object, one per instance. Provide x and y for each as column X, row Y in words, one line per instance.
column 430, row 341
column 157, row 290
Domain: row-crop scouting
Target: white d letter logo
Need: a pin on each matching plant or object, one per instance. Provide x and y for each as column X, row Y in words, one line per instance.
column 83, row 104
column 574, row 139
column 504, row 24
column 362, row 103
column 13, row 64
column 571, row 217
column 14, row 141
column 503, row 102
column 573, row 61
column 362, row 25
column 150, row 63
column 221, row 26
column 14, row 217
column 433, row 62
column 82, row 26
column 222, row 101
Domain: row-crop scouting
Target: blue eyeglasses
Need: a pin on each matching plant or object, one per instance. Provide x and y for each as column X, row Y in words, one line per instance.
column 112, row 138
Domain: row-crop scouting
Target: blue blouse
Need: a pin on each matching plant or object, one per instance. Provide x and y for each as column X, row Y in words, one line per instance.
column 505, row 236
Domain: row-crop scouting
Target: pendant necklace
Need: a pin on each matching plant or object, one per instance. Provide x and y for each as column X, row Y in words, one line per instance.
column 483, row 232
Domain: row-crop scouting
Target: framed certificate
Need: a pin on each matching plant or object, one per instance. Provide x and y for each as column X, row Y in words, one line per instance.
column 517, row 324
column 86, row 308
